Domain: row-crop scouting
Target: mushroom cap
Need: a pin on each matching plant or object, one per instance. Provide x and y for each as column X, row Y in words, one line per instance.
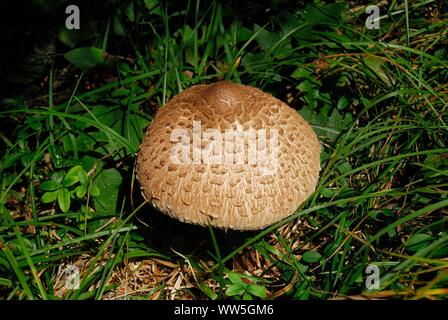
column 234, row 191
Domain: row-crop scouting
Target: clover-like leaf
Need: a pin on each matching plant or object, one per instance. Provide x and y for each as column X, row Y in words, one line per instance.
column 247, row 296
column 49, row 185
column 311, row 256
column 72, row 176
column 82, row 176
column 86, row 58
column 49, row 196
column 80, row 191
column 234, row 278
column 256, row 290
column 64, row 199
column 235, row 289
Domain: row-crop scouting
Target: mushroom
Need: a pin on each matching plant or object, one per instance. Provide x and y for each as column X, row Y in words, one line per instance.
column 228, row 155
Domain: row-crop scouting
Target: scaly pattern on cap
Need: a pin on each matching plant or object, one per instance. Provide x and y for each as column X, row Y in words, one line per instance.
column 229, row 195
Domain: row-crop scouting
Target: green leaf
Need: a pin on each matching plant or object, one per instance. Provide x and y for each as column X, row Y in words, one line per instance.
column 64, row 199
column 118, row 27
column 342, row 103
column 234, row 278
column 235, row 289
column 95, row 191
column 80, row 191
column 375, row 65
column 88, row 163
column 247, row 296
column 153, row 6
column 129, row 11
column 85, row 142
column 72, row 176
column 265, row 38
column 34, row 123
column 335, row 120
column 49, row 185
column 301, row 73
column 82, row 176
column 242, row 34
column 48, row 197
column 311, row 256
column 311, row 90
column 108, row 183
column 57, row 177
column 73, row 172
column 344, row 167
column 256, row 290
column 86, row 58
column 69, row 181
column 328, row 192
column 288, row 21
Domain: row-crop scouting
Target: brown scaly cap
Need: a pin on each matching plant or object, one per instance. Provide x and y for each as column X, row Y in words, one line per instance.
column 229, row 195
